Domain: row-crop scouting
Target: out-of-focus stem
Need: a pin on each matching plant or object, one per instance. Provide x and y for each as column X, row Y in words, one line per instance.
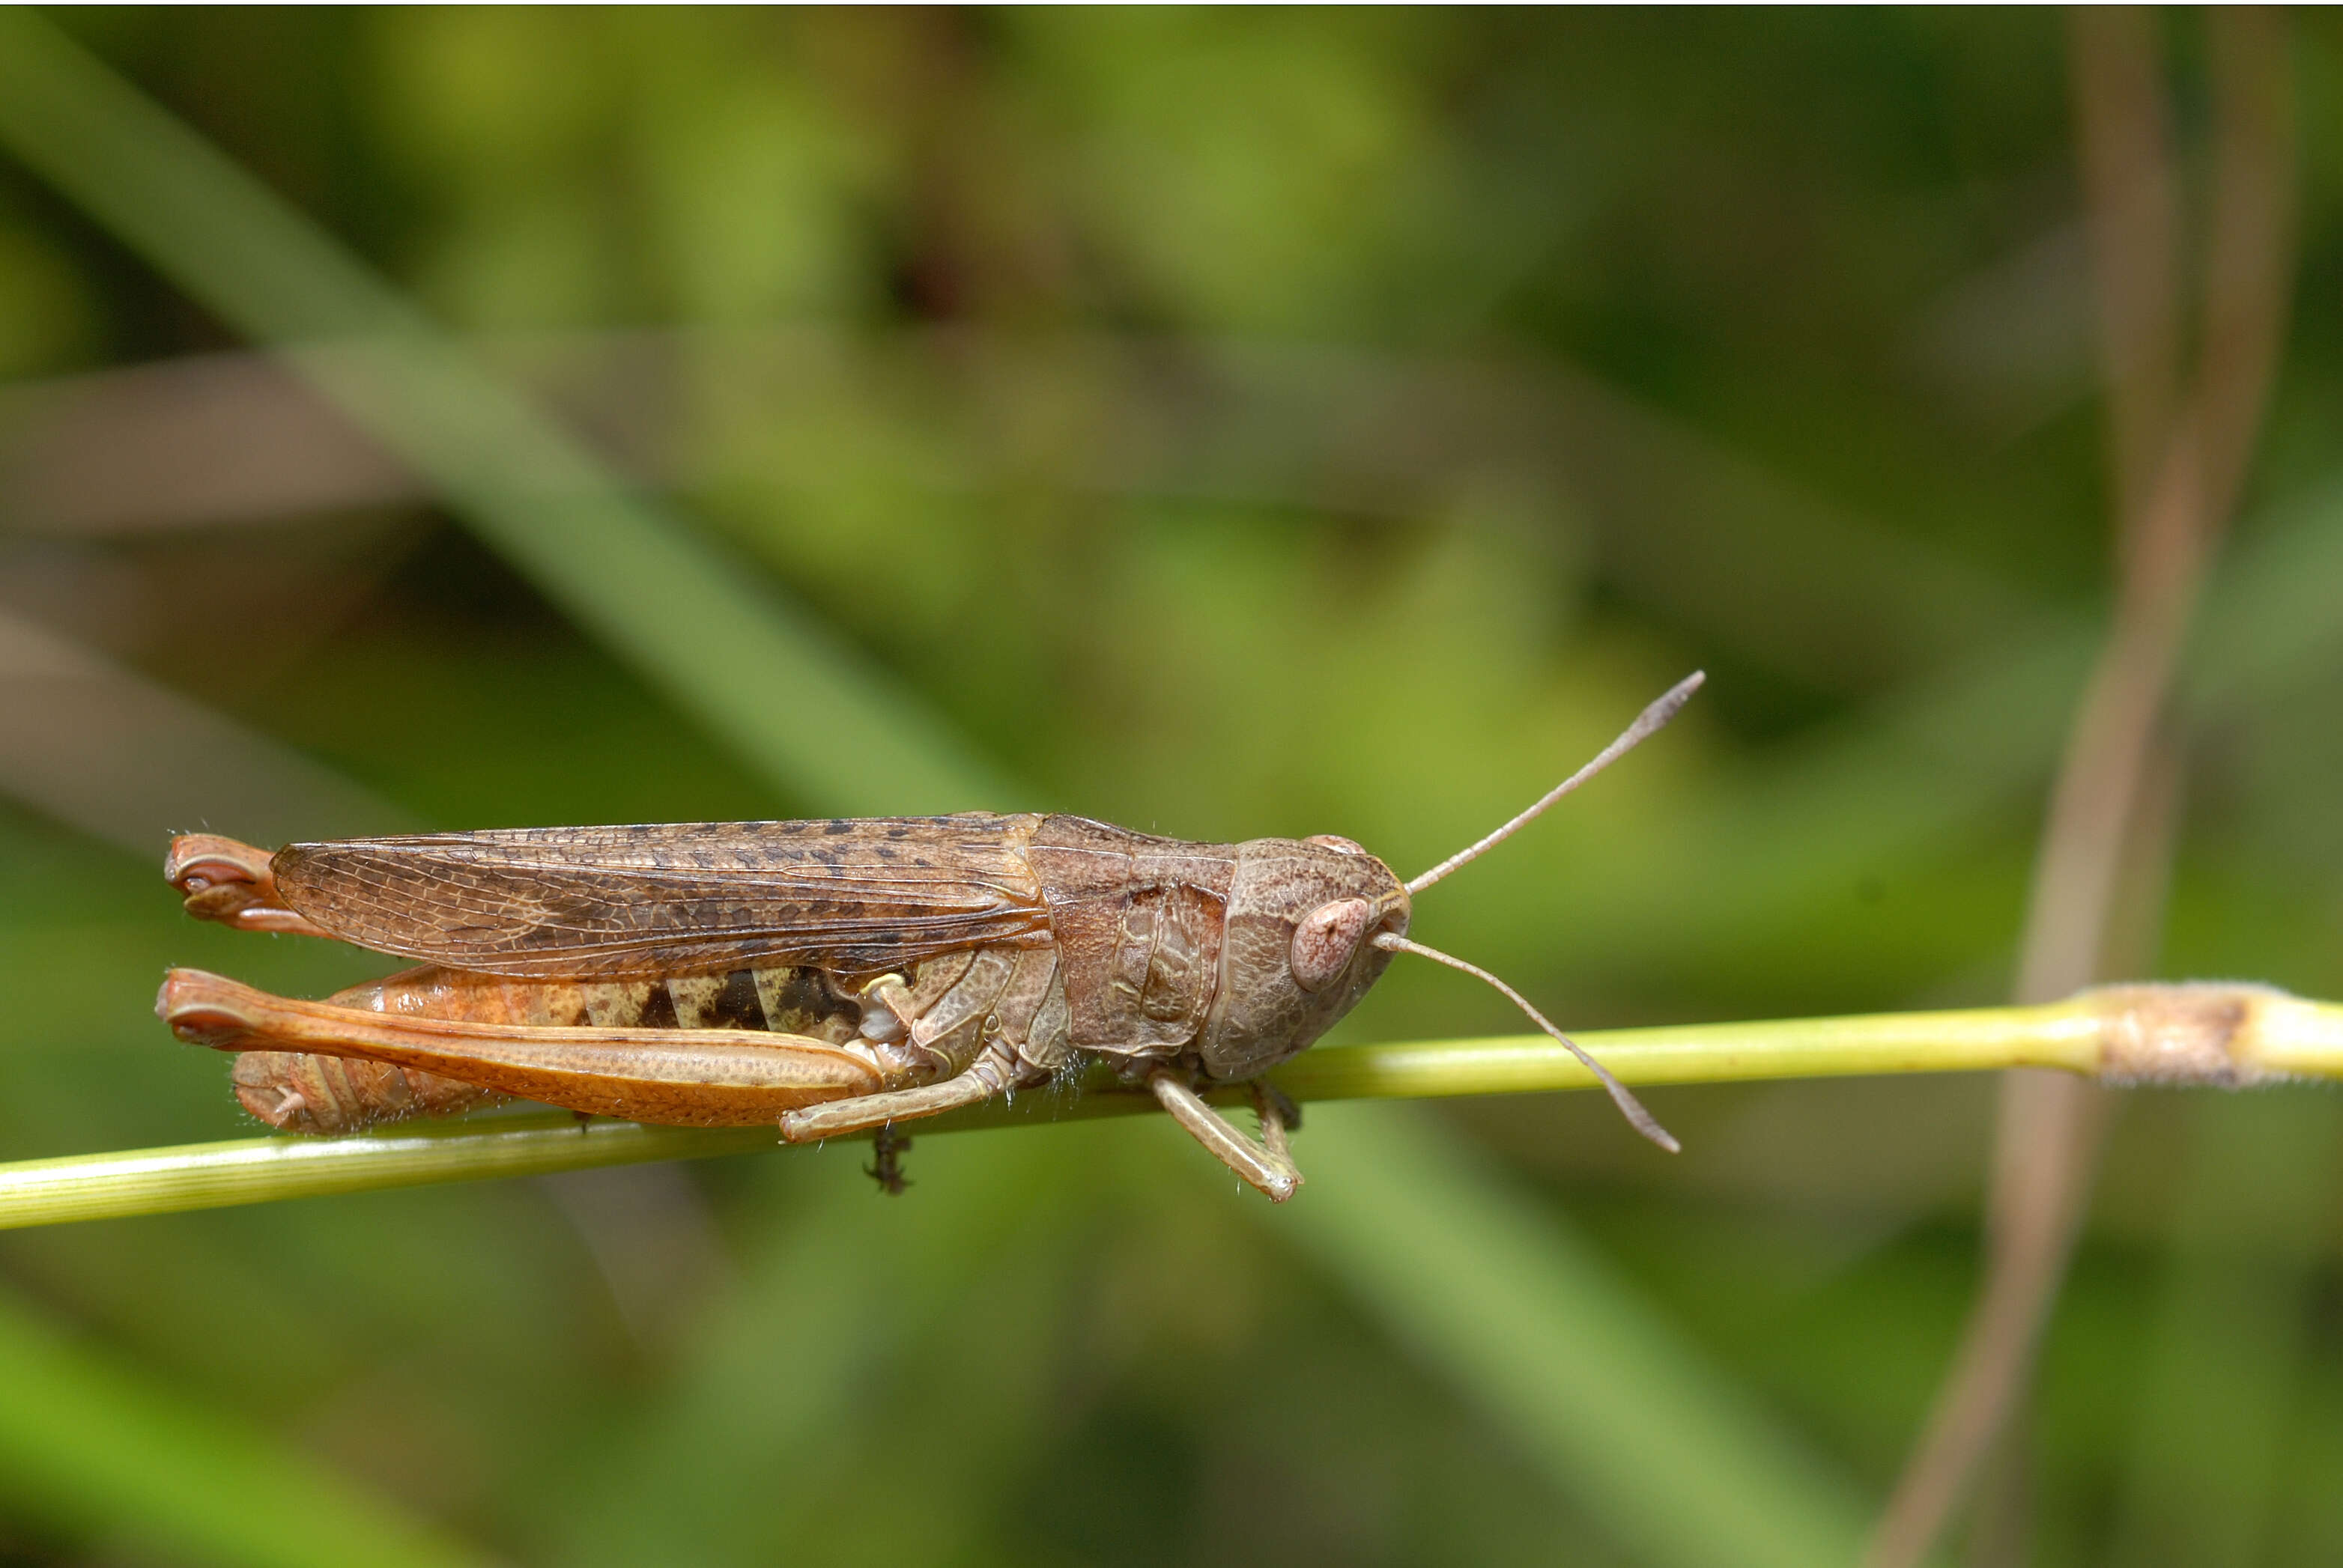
column 2176, row 465
column 2216, row 1035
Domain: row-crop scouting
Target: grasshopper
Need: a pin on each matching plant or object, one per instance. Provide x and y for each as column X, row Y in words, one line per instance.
column 831, row 977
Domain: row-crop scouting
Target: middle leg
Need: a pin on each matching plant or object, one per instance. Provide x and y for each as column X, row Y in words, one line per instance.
column 994, row 1070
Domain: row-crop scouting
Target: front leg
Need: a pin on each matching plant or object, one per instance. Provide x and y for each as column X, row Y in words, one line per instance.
column 1266, row 1164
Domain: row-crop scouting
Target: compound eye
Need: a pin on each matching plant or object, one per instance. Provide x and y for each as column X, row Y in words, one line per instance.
column 1325, row 939
column 1336, row 841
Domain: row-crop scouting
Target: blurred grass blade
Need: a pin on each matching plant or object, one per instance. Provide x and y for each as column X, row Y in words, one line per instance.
column 688, row 617
column 859, row 1286
column 2269, row 614
column 1622, row 1415
column 130, row 762
column 92, row 1450
column 1902, row 776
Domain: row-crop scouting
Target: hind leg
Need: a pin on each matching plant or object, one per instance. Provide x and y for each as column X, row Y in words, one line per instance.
column 673, row 1077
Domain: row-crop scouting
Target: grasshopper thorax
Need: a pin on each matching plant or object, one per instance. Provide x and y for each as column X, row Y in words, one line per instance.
column 1298, row 949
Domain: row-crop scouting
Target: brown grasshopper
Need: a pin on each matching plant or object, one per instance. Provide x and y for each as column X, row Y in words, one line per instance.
column 833, row 977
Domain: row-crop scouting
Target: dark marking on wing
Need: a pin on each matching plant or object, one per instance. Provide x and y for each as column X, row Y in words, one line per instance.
column 690, row 898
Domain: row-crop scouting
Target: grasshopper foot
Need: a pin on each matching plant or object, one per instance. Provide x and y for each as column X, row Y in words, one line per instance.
column 888, row 1147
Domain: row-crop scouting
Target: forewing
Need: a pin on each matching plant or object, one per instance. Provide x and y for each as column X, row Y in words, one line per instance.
column 853, row 896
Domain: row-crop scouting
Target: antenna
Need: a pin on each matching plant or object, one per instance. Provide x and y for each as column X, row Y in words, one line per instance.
column 1629, row 1106
column 1646, row 722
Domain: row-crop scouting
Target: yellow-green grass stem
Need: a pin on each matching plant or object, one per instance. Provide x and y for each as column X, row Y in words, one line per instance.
column 2212, row 1035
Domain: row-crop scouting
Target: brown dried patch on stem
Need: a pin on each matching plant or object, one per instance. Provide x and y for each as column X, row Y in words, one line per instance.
column 2199, row 1036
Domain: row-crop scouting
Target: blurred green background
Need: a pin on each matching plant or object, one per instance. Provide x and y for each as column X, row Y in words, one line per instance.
column 1222, row 423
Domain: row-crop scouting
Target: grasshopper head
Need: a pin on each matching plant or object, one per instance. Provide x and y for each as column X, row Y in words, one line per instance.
column 1298, row 949
column 1311, row 922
